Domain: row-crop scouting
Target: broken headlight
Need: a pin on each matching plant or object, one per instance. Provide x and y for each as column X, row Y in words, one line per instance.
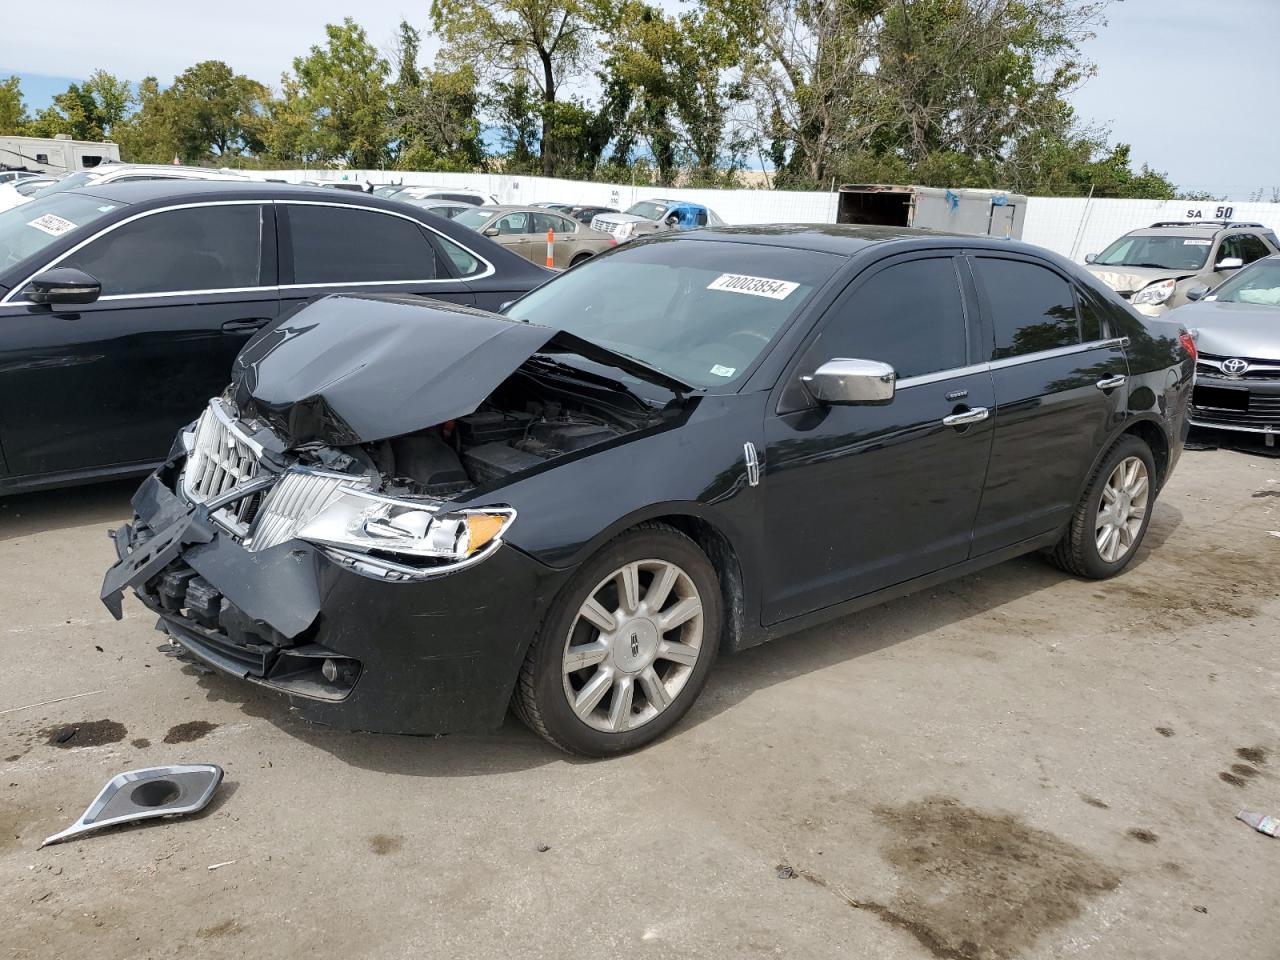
column 406, row 531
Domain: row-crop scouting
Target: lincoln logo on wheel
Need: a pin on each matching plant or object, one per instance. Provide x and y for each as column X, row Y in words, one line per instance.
column 635, row 645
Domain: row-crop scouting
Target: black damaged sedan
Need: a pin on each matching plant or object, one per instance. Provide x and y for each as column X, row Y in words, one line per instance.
column 407, row 516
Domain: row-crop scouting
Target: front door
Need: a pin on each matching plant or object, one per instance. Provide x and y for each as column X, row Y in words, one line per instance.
column 1060, row 383
column 858, row 498
column 109, row 383
column 343, row 248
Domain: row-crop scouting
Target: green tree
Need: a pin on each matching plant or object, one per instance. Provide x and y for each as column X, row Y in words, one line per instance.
column 434, row 121
column 336, row 106
column 521, row 44
column 13, row 111
column 113, row 99
column 73, row 112
column 149, row 135
column 214, row 112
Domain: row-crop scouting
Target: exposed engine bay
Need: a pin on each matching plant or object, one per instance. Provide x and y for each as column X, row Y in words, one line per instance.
column 535, row 416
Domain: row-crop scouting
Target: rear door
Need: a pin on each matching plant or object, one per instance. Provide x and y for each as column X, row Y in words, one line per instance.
column 340, row 247
column 858, row 498
column 109, row 383
column 1060, row 386
column 566, row 240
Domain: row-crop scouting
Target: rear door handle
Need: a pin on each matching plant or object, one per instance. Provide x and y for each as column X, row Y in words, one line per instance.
column 246, row 325
column 1110, row 383
column 975, row 415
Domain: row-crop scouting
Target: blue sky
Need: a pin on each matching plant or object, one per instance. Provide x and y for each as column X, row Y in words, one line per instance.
column 1187, row 83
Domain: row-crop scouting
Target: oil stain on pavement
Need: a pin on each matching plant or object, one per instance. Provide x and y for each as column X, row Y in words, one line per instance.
column 190, row 731
column 86, row 733
column 981, row 886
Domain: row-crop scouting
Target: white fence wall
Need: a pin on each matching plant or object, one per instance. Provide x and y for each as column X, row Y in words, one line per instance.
column 1071, row 226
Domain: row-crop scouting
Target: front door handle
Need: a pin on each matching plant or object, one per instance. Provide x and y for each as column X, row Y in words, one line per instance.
column 1110, row 383
column 963, row 419
column 246, row 325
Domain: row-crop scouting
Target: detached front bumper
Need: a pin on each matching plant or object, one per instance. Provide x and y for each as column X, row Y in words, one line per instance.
column 431, row 656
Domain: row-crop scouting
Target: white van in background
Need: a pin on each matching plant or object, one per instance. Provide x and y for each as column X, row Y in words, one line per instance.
column 55, row 155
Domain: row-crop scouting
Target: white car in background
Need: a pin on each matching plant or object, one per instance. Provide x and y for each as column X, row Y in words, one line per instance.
column 116, row 173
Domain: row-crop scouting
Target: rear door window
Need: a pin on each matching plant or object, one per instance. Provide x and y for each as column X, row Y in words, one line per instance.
column 176, row 251
column 1031, row 308
column 909, row 315
column 339, row 244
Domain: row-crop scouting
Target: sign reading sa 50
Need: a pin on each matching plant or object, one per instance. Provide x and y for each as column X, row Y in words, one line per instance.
column 1217, row 213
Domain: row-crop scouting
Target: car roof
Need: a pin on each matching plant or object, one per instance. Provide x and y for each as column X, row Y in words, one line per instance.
column 1177, row 229
column 168, row 191
column 847, row 239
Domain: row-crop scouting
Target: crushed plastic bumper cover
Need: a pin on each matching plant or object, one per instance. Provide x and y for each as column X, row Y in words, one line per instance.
column 432, row 656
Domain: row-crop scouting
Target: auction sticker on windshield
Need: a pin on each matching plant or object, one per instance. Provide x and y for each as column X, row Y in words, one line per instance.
column 1197, row 243
column 52, row 224
column 753, row 286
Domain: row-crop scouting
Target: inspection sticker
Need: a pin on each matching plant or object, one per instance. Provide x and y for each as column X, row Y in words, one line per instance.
column 52, row 224
column 723, row 371
column 1197, row 243
column 754, row 286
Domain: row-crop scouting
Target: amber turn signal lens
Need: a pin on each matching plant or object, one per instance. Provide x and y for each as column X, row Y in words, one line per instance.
column 482, row 528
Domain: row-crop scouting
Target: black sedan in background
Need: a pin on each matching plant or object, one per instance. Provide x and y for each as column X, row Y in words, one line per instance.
column 122, row 306
column 405, row 516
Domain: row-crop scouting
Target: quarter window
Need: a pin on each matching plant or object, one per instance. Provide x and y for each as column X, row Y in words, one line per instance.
column 909, row 315
column 348, row 245
column 1031, row 307
column 199, row 248
column 462, row 260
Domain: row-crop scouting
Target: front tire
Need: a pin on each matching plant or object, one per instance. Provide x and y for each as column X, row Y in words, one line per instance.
column 1112, row 516
column 626, row 646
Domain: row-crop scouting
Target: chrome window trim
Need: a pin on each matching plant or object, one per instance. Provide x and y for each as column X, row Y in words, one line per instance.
column 12, row 295
column 988, row 366
column 1058, row 352
column 488, row 272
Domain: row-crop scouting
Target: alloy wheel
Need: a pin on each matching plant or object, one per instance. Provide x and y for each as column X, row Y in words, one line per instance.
column 633, row 645
column 1123, row 507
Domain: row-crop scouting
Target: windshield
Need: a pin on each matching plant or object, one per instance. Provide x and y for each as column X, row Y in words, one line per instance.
column 28, row 229
column 698, row 311
column 69, row 182
column 474, row 218
column 647, row 209
column 1258, row 284
column 1166, row 253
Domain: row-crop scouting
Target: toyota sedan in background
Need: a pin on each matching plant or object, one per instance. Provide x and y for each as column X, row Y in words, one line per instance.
column 406, row 516
column 122, row 305
column 1237, row 332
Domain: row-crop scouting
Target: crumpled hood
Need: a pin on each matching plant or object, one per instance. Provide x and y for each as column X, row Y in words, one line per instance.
column 356, row 368
column 1131, row 279
column 1234, row 329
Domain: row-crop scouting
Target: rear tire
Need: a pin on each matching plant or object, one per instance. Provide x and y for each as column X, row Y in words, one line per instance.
column 625, row 648
column 1111, row 519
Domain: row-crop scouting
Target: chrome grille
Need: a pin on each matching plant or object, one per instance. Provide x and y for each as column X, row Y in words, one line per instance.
column 221, row 458
column 293, row 502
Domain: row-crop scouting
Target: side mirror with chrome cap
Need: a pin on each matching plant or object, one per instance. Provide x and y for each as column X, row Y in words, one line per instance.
column 1197, row 292
column 844, row 382
column 63, row 285
column 1090, row 257
column 490, row 231
column 1229, row 263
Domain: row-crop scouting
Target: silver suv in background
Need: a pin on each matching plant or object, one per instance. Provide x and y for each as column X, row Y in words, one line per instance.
column 1154, row 268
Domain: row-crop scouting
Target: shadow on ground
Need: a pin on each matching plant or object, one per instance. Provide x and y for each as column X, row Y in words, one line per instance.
column 26, row 514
